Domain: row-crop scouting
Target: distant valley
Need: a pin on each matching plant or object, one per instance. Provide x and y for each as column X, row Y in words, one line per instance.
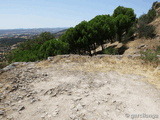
column 27, row 32
column 10, row 37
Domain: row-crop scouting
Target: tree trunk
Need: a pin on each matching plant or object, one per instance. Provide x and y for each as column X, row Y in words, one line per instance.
column 102, row 47
column 89, row 50
column 95, row 49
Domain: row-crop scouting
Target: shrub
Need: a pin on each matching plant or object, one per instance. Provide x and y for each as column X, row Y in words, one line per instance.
column 147, row 31
column 110, row 51
column 143, row 19
column 158, row 50
column 3, row 64
column 150, row 56
column 151, row 15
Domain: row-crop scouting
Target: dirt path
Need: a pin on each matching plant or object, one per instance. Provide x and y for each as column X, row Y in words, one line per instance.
column 67, row 90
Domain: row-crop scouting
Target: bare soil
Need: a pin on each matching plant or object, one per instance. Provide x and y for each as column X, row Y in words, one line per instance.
column 81, row 88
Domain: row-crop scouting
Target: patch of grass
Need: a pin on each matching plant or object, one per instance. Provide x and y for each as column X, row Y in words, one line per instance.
column 3, row 64
column 110, row 51
column 150, row 56
column 158, row 50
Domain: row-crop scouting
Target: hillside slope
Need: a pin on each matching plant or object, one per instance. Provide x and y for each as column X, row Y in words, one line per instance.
column 157, row 25
column 80, row 88
column 142, row 44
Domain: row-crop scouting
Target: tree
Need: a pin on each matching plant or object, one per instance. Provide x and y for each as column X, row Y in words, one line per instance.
column 44, row 36
column 125, row 19
column 122, row 23
column 104, row 29
column 70, row 37
column 53, row 47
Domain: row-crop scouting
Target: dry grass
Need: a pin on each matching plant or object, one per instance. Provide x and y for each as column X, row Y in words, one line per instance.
column 157, row 25
column 149, row 43
column 44, row 64
column 105, row 64
column 122, row 66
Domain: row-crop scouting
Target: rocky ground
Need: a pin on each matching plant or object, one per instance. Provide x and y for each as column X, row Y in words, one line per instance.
column 79, row 88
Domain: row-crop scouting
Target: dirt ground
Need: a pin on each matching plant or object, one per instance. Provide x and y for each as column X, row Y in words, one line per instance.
column 81, row 88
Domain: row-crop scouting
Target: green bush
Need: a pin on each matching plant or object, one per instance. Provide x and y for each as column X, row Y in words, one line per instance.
column 158, row 50
column 151, row 15
column 3, row 64
column 150, row 56
column 37, row 49
column 52, row 48
column 147, row 31
column 144, row 29
column 110, row 51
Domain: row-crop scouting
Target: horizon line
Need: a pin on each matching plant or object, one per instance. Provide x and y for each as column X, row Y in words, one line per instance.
column 32, row 28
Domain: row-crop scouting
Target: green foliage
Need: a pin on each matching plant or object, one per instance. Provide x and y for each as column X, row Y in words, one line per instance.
column 87, row 35
column 125, row 19
column 151, row 15
column 3, row 64
column 125, row 11
column 53, row 47
column 158, row 50
column 110, row 51
column 81, row 39
column 104, row 28
column 147, row 18
column 144, row 29
column 147, row 31
column 39, row 48
column 131, row 32
column 150, row 56
column 23, row 56
column 10, row 41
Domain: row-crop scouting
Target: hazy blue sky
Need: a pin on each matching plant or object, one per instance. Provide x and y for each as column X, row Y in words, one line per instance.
column 60, row 13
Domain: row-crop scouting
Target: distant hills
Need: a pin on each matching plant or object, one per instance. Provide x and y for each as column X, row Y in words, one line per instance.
column 20, row 32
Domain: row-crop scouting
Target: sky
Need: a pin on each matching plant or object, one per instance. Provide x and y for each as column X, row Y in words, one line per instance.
column 16, row 14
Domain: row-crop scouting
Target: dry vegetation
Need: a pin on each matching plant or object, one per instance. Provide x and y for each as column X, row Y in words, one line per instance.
column 76, row 85
column 151, row 72
column 157, row 25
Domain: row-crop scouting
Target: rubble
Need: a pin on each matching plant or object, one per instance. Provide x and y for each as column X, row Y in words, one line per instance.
column 58, row 92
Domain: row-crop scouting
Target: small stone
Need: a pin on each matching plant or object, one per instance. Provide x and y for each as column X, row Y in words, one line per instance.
column 33, row 100
column 9, row 118
column 105, row 100
column 55, row 114
column 69, row 93
column 49, row 116
column 21, row 108
column 77, row 98
column 50, row 58
column 105, row 113
column 1, row 112
column 14, row 88
column 73, row 117
column 42, row 116
column 98, row 102
column 86, row 95
column 8, row 102
column 20, row 101
column 45, row 74
column 141, row 46
column 1, row 85
column 79, row 107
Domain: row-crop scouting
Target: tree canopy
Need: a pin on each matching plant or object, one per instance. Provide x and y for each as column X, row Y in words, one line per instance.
column 125, row 19
column 85, row 37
